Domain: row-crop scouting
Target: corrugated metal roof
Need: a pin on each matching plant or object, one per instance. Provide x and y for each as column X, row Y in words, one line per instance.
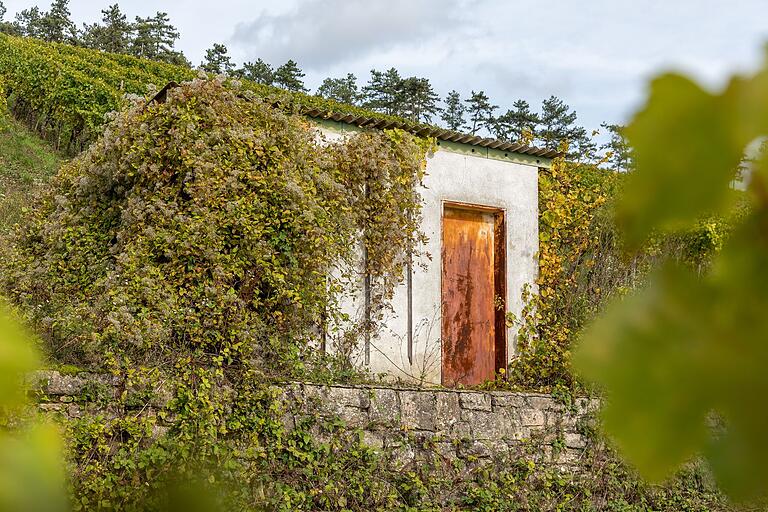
column 433, row 131
column 416, row 129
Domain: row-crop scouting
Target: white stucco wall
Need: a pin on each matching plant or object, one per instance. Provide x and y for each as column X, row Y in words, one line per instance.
column 455, row 174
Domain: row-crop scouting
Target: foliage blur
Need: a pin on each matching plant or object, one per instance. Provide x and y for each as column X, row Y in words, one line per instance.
column 582, row 265
column 31, row 471
column 683, row 360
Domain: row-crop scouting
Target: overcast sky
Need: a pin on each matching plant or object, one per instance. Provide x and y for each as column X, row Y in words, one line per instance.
column 595, row 54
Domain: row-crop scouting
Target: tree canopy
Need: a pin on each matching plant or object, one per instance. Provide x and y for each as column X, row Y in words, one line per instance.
column 343, row 90
column 388, row 92
column 112, row 35
column 217, row 60
column 259, row 72
column 290, row 77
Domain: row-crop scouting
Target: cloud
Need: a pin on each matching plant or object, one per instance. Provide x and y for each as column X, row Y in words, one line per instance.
column 324, row 33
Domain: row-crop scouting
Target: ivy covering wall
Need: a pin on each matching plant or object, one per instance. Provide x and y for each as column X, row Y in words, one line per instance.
column 212, row 225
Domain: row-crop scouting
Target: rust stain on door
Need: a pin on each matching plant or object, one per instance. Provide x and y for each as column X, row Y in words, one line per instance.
column 469, row 319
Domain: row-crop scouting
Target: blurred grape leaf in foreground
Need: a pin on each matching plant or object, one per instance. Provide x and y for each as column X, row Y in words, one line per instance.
column 684, row 362
column 31, row 471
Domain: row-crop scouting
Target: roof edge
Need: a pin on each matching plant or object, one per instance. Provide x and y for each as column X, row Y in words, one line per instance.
column 433, row 131
column 420, row 130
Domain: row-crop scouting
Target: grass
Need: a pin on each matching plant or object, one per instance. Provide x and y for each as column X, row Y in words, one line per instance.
column 26, row 163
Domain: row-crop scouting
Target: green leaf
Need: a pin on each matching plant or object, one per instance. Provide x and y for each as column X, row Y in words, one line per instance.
column 686, row 152
column 685, row 351
column 645, row 351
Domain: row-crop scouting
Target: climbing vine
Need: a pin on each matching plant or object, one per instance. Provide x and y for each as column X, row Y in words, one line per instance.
column 381, row 176
column 582, row 263
column 213, row 223
column 569, row 199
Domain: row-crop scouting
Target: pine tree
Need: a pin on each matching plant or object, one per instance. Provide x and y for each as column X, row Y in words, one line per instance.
column 143, row 43
column 259, row 72
column 518, row 124
column 217, row 60
column 453, row 112
column 343, row 90
column 289, row 76
column 480, row 112
column 114, row 35
column 419, row 99
column 621, row 158
column 583, row 148
column 56, row 25
column 383, row 93
column 557, row 123
column 167, row 35
column 29, row 22
column 5, row 26
column 155, row 39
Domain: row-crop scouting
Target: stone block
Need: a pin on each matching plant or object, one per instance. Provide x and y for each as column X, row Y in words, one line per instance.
column 373, row 440
column 446, row 450
column 460, row 430
column 586, row 406
column 509, row 400
column 473, row 448
column 60, row 385
column 315, row 392
column 51, row 407
column 162, row 395
column 394, row 439
column 447, row 411
column 288, row 420
column 350, row 405
column 475, row 401
column 574, row 440
column 314, row 400
column 482, row 424
column 159, row 431
column 73, row 411
column 568, row 456
column 291, row 399
column 402, row 456
column 543, row 403
column 349, row 397
column 532, row 418
column 494, row 426
column 353, row 417
column 384, row 407
column 418, row 409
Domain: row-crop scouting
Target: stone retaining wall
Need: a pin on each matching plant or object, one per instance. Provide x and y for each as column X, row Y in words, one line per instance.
column 457, row 423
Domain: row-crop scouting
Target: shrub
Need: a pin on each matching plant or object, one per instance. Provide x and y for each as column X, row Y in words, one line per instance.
column 210, row 222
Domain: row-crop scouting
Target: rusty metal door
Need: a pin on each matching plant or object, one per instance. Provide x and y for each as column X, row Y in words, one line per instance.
column 469, row 285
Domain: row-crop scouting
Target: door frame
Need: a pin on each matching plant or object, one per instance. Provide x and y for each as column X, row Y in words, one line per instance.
column 501, row 346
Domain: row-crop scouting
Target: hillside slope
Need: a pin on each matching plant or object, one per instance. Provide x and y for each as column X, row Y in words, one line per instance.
column 64, row 92
column 26, row 163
